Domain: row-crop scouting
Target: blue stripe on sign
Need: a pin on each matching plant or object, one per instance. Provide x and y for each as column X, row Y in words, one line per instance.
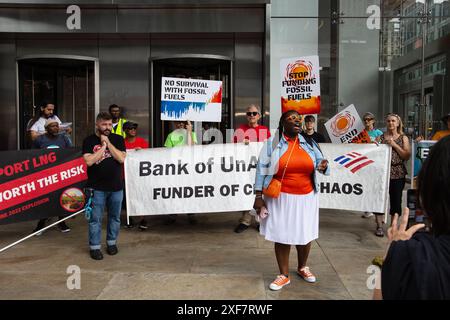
column 339, row 158
column 345, row 160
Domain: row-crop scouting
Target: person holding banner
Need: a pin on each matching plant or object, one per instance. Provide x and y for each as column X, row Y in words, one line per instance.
column 286, row 175
column 104, row 154
column 181, row 136
column 133, row 142
column 417, row 264
column 250, row 132
column 369, row 123
column 401, row 152
column 50, row 140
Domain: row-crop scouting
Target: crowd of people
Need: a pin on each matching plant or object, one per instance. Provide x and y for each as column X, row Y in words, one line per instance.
column 286, row 199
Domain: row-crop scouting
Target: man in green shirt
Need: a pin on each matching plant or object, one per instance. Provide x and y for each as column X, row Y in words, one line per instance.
column 181, row 136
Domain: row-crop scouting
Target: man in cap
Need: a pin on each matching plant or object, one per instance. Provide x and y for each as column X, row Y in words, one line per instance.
column 132, row 141
column 309, row 133
column 50, row 140
column 443, row 133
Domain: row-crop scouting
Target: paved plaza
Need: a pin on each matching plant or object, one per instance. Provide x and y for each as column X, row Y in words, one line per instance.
column 182, row 261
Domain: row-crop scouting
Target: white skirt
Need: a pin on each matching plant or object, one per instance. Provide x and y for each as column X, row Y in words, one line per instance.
column 293, row 219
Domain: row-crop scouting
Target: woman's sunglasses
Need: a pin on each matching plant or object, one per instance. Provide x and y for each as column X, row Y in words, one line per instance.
column 294, row 117
column 252, row 114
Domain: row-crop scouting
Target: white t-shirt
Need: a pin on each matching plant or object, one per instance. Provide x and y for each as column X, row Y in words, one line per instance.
column 39, row 126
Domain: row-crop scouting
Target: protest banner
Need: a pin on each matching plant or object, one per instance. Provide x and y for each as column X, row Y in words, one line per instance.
column 220, row 178
column 300, row 85
column 191, row 99
column 37, row 184
column 359, row 177
column 345, row 126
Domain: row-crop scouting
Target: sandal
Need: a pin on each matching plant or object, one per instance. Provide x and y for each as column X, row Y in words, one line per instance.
column 379, row 232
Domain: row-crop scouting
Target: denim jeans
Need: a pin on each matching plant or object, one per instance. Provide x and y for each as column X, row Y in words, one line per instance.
column 113, row 201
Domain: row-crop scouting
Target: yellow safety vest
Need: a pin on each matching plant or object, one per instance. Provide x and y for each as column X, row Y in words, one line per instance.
column 118, row 129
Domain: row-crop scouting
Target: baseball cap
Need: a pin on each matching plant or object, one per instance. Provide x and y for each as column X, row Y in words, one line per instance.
column 50, row 121
column 129, row 125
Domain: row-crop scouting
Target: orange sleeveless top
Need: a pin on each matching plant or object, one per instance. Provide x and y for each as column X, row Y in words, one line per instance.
column 297, row 179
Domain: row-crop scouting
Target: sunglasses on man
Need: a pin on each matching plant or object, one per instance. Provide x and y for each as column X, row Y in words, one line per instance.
column 252, row 114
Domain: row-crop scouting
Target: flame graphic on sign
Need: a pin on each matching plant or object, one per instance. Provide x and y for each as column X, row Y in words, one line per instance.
column 342, row 123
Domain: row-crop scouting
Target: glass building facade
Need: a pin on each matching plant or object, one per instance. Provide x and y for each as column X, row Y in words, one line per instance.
column 86, row 55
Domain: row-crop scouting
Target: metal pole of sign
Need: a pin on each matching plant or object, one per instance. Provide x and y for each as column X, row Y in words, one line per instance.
column 47, row 227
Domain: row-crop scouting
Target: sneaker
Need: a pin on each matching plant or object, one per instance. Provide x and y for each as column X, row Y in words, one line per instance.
column 241, row 228
column 96, row 254
column 367, row 215
column 112, row 250
column 279, row 282
column 306, row 275
column 63, row 227
column 379, row 232
column 143, row 225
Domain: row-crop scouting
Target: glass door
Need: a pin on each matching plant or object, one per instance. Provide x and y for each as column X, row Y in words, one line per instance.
column 68, row 84
column 190, row 68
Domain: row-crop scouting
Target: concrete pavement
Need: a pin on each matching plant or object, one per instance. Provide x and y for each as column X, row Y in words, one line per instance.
column 182, row 261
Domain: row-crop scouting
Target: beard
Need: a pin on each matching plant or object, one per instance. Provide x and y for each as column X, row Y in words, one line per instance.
column 105, row 132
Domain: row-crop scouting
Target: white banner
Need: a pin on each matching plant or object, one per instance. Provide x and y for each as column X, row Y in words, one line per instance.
column 191, row 179
column 344, row 126
column 359, row 178
column 191, row 99
column 220, row 178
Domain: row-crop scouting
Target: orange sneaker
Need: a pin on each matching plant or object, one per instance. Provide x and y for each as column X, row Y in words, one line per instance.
column 306, row 275
column 279, row 282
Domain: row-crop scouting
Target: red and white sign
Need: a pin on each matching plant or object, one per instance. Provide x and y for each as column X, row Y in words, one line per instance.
column 344, row 126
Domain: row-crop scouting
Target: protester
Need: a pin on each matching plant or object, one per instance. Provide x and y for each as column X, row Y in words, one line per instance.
column 417, row 265
column 369, row 123
column 181, row 136
column 250, row 132
column 309, row 133
column 293, row 216
column 132, row 141
column 36, row 126
column 401, row 152
column 104, row 154
column 117, row 120
column 50, row 140
column 443, row 133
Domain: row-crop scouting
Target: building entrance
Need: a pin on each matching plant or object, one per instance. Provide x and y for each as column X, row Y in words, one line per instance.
column 193, row 67
column 69, row 84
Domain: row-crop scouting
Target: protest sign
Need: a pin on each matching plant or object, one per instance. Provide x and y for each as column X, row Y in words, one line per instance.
column 420, row 151
column 345, row 126
column 220, row 178
column 300, row 85
column 191, row 99
column 36, row 184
